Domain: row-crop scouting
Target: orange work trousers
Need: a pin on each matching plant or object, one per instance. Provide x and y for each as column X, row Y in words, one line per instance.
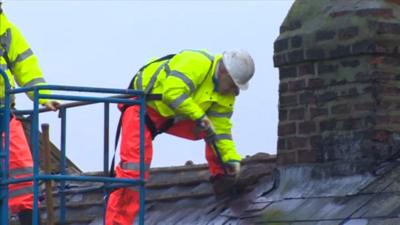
column 123, row 203
column 21, row 165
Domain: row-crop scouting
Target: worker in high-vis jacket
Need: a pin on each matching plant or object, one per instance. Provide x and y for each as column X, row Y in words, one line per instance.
column 22, row 68
column 198, row 95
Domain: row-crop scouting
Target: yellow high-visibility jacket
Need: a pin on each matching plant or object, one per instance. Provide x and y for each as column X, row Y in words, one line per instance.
column 188, row 85
column 18, row 60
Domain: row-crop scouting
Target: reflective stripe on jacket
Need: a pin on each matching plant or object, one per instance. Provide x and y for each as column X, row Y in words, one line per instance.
column 20, row 64
column 187, row 83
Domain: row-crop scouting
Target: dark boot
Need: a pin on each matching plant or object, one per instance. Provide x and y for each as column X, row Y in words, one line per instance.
column 26, row 217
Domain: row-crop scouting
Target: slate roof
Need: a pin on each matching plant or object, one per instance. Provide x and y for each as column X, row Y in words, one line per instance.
column 307, row 194
column 186, row 188
column 296, row 195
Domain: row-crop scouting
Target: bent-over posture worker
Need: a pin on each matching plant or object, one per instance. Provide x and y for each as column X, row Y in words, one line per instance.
column 21, row 67
column 198, row 94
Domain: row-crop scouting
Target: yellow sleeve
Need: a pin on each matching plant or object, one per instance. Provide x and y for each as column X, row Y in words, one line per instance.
column 23, row 63
column 220, row 116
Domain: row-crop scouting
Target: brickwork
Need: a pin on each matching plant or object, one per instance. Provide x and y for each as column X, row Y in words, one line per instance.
column 339, row 71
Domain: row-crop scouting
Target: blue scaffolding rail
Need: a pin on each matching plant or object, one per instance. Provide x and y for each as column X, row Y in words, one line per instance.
column 125, row 96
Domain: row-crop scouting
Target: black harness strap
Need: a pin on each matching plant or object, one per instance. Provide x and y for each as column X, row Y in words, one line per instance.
column 148, row 64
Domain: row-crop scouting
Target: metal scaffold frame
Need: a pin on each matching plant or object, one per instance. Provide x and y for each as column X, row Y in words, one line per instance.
column 124, row 96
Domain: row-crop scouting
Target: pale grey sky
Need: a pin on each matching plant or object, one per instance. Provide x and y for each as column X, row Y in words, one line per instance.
column 103, row 43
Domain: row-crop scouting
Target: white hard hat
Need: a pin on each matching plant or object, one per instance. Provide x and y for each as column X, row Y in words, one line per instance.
column 240, row 66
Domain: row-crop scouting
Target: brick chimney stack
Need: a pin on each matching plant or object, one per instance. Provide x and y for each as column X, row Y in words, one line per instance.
column 339, row 71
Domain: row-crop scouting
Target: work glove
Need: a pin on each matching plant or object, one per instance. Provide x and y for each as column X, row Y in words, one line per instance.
column 52, row 105
column 233, row 168
column 206, row 125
